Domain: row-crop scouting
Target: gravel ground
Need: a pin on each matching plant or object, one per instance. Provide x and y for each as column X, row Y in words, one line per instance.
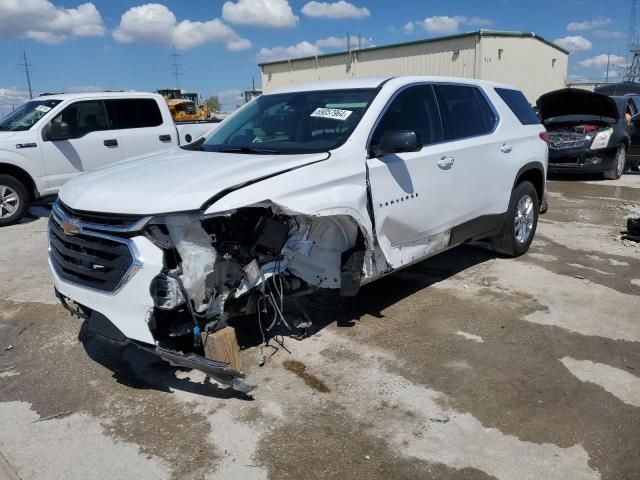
column 466, row 366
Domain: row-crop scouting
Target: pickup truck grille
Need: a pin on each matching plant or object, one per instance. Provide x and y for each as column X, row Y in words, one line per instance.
column 96, row 259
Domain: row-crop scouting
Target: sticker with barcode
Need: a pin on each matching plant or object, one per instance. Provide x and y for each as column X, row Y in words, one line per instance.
column 334, row 113
column 43, row 108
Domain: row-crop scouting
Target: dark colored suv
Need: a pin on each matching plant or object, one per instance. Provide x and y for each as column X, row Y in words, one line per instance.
column 590, row 132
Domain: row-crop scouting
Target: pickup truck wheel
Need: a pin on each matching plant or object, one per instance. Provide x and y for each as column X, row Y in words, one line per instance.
column 13, row 200
column 617, row 169
column 521, row 223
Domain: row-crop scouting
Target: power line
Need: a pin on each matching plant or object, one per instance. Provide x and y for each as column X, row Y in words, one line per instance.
column 25, row 69
column 176, row 66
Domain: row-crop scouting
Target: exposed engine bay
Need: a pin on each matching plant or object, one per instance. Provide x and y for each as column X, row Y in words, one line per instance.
column 573, row 136
column 249, row 261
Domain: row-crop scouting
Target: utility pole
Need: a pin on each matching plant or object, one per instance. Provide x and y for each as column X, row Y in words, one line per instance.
column 633, row 54
column 608, row 63
column 175, row 66
column 25, row 65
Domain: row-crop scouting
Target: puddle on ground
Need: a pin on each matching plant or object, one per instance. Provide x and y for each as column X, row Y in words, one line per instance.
column 299, row 369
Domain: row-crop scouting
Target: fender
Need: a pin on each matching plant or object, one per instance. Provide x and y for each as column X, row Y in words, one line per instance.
column 28, row 170
column 535, row 166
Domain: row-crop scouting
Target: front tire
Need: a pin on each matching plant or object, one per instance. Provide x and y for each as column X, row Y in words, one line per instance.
column 617, row 169
column 13, row 200
column 522, row 220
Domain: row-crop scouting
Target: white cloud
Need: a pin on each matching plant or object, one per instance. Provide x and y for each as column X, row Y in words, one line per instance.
column 340, row 9
column 261, row 13
column 42, row 21
column 574, row 43
column 589, row 25
column 608, row 34
column 156, row 24
column 408, row 27
column 12, row 97
column 441, row 25
column 446, row 25
column 308, row 49
column 602, row 60
column 302, row 49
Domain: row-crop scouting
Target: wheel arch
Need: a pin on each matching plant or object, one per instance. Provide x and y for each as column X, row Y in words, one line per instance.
column 23, row 176
column 534, row 173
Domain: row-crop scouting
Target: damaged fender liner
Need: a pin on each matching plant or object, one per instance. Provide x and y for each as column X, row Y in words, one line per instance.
column 101, row 326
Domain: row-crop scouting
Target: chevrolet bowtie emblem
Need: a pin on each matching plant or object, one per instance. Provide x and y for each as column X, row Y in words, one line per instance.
column 70, row 228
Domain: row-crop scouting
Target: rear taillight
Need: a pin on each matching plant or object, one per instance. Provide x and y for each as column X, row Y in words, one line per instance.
column 544, row 136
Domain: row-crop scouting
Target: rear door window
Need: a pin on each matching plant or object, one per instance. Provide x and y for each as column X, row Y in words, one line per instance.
column 519, row 105
column 415, row 109
column 465, row 111
column 134, row 113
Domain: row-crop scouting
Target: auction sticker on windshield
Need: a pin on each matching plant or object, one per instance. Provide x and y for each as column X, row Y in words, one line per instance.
column 43, row 108
column 334, row 113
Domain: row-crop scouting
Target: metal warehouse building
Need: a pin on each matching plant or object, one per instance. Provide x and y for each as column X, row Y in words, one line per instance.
column 526, row 60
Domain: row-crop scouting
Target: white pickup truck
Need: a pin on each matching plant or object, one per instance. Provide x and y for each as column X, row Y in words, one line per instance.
column 52, row 138
column 321, row 187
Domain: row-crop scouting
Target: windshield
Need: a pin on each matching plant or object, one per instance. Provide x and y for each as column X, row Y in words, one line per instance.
column 300, row 122
column 27, row 115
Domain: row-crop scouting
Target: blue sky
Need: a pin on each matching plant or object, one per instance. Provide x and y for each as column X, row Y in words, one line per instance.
column 126, row 44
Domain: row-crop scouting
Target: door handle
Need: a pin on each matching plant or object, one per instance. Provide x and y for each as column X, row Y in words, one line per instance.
column 446, row 162
column 111, row 143
column 165, row 138
column 506, row 148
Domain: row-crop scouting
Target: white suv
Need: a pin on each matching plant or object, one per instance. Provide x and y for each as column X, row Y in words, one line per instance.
column 325, row 186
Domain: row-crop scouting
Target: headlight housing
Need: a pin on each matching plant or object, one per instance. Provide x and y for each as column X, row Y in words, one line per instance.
column 602, row 139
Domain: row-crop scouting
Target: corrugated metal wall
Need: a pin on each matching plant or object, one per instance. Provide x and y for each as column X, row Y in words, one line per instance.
column 455, row 57
column 528, row 63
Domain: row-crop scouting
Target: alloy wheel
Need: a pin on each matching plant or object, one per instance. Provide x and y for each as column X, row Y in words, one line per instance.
column 525, row 217
column 9, row 201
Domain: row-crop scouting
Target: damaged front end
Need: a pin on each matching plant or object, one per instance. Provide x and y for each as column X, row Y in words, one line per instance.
column 239, row 267
column 171, row 283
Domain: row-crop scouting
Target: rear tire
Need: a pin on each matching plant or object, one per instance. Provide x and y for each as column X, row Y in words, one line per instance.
column 521, row 223
column 617, row 169
column 13, row 200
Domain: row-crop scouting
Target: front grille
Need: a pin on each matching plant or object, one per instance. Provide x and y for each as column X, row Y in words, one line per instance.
column 89, row 260
column 102, row 219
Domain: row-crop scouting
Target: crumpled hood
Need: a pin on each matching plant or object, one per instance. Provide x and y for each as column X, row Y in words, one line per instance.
column 573, row 101
column 172, row 181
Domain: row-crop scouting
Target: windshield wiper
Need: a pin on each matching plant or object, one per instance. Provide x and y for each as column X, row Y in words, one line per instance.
column 260, row 151
column 3, row 128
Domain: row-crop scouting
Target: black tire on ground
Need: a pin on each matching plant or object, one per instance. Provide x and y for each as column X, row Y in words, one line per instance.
column 617, row 169
column 14, row 198
column 524, row 208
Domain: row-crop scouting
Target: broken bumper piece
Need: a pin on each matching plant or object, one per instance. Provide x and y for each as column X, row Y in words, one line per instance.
column 218, row 370
column 101, row 326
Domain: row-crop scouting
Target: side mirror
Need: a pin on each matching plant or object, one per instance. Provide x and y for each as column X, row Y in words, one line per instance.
column 57, row 131
column 397, row 141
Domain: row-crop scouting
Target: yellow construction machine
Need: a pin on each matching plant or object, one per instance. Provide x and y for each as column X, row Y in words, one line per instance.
column 185, row 107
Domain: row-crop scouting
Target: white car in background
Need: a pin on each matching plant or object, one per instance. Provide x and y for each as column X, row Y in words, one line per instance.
column 324, row 186
column 53, row 138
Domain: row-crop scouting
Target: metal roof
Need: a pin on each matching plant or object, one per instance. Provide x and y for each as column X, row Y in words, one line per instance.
column 479, row 33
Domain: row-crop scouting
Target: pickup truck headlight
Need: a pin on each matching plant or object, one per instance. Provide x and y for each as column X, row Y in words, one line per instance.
column 602, row 139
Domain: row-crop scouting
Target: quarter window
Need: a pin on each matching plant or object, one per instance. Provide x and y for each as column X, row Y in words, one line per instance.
column 518, row 104
column 464, row 110
column 134, row 113
column 412, row 109
column 83, row 118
